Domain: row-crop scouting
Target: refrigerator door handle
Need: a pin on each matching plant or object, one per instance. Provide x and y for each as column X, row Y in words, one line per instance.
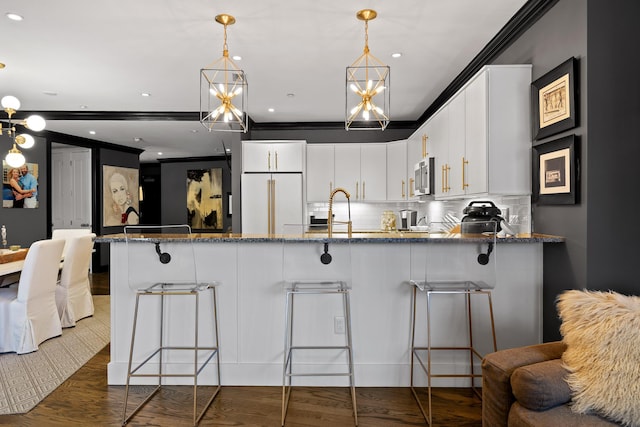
column 268, row 206
column 273, row 205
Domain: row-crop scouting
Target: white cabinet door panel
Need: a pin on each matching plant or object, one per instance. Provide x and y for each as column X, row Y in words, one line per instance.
column 373, row 172
column 320, row 171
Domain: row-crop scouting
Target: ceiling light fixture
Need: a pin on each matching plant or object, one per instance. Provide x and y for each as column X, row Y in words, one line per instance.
column 224, row 91
column 367, row 88
column 14, row 16
column 14, row 157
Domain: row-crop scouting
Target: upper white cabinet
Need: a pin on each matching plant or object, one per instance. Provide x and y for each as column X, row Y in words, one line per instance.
column 373, row 172
column 273, row 156
column 361, row 170
column 437, row 131
column 320, row 172
column 481, row 138
column 397, row 171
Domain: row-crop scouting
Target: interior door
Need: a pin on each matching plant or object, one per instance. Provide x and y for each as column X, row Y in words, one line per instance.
column 71, row 187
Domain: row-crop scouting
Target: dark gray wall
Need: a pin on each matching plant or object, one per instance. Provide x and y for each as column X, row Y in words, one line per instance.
column 599, row 252
column 25, row 226
column 614, row 148
column 560, row 34
column 174, row 188
column 332, row 135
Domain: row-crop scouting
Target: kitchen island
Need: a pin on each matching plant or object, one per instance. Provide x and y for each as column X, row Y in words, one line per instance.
column 251, row 303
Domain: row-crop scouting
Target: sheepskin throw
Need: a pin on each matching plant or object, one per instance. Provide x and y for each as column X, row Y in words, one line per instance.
column 602, row 333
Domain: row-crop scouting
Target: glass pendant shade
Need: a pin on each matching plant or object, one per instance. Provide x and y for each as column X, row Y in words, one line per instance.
column 367, row 87
column 14, row 158
column 25, row 140
column 10, row 102
column 36, row 123
column 224, row 91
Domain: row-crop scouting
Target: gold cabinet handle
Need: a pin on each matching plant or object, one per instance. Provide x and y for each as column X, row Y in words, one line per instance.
column 424, row 146
column 411, row 181
column 442, row 181
column 363, row 191
column 448, row 173
column 268, row 206
column 403, row 193
column 464, row 179
column 357, row 190
column 276, row 160
column 269, row 160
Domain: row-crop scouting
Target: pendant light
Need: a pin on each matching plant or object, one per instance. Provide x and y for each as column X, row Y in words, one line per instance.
column 367, row 87
column 223, row 91
column 14, row 157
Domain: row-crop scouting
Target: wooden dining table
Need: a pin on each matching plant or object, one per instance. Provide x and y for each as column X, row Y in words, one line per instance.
column 11, row 263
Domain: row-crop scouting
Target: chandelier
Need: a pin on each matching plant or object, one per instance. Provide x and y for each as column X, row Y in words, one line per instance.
column 367, row 88
column 14, row 157
column 223, row 91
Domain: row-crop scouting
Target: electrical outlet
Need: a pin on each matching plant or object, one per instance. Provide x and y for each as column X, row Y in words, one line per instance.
column 338, row 325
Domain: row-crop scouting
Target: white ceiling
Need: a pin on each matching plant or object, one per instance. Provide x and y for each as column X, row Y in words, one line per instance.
column 103, row 55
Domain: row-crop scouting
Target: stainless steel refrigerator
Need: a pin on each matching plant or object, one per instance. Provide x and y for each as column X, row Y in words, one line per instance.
column 270, row 200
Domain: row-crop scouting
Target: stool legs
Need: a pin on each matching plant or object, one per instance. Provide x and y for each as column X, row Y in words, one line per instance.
column 287, row 370
column 427, row 368
column 214, row 352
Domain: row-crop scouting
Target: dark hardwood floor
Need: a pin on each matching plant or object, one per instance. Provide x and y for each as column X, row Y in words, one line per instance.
column 85, row 399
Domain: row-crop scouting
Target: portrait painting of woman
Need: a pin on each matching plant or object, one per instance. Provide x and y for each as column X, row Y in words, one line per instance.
column 120, row 196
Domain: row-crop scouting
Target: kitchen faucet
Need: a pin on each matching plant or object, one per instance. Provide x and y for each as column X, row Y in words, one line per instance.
column 330, row 219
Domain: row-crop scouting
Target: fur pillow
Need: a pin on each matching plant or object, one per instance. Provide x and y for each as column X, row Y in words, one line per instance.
column 602, row 334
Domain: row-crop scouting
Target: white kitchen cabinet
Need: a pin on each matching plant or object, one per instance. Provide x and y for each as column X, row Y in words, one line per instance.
column 498, row 123
column 373, row 176
column 320, row 172
column 480, row 138
column 273, row 156
column 437, row 130
column 361, row 170
column 397, row 171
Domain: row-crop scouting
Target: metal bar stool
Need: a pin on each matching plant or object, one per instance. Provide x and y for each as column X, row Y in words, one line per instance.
column 467, row 267
column 322, row 269
column 161, row 264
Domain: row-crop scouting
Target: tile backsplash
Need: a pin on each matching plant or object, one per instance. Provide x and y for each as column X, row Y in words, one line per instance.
column 516, row 210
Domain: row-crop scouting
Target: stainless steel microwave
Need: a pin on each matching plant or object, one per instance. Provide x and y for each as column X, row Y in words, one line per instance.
column 423, row 178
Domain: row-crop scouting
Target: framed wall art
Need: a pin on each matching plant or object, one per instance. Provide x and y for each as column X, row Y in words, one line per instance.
column 204, row 199
column 553, row 98
column 120, row 196
column 20, row 186
column 556, row 172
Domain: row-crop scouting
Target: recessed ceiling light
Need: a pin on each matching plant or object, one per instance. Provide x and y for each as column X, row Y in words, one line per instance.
column 159, row 153
column 137, row 139
column 83, row 107
column 194, row 130
column 92, row 132
column 396, row 55
column 14, row 16
column 291, row 95
column 271, row 110
column 50, row 93
column 228, row 150
column 145, row 94
column 237, row 58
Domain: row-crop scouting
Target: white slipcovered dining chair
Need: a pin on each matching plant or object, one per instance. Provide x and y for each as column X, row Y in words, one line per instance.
column 28, row 313
column 73, row 292
column 68, row 233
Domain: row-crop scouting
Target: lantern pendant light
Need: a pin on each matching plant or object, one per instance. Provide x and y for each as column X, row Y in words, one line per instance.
column 367, row 87
column 224, row 91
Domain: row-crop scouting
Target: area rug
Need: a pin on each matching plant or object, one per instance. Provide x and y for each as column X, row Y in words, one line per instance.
column 26, row 379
